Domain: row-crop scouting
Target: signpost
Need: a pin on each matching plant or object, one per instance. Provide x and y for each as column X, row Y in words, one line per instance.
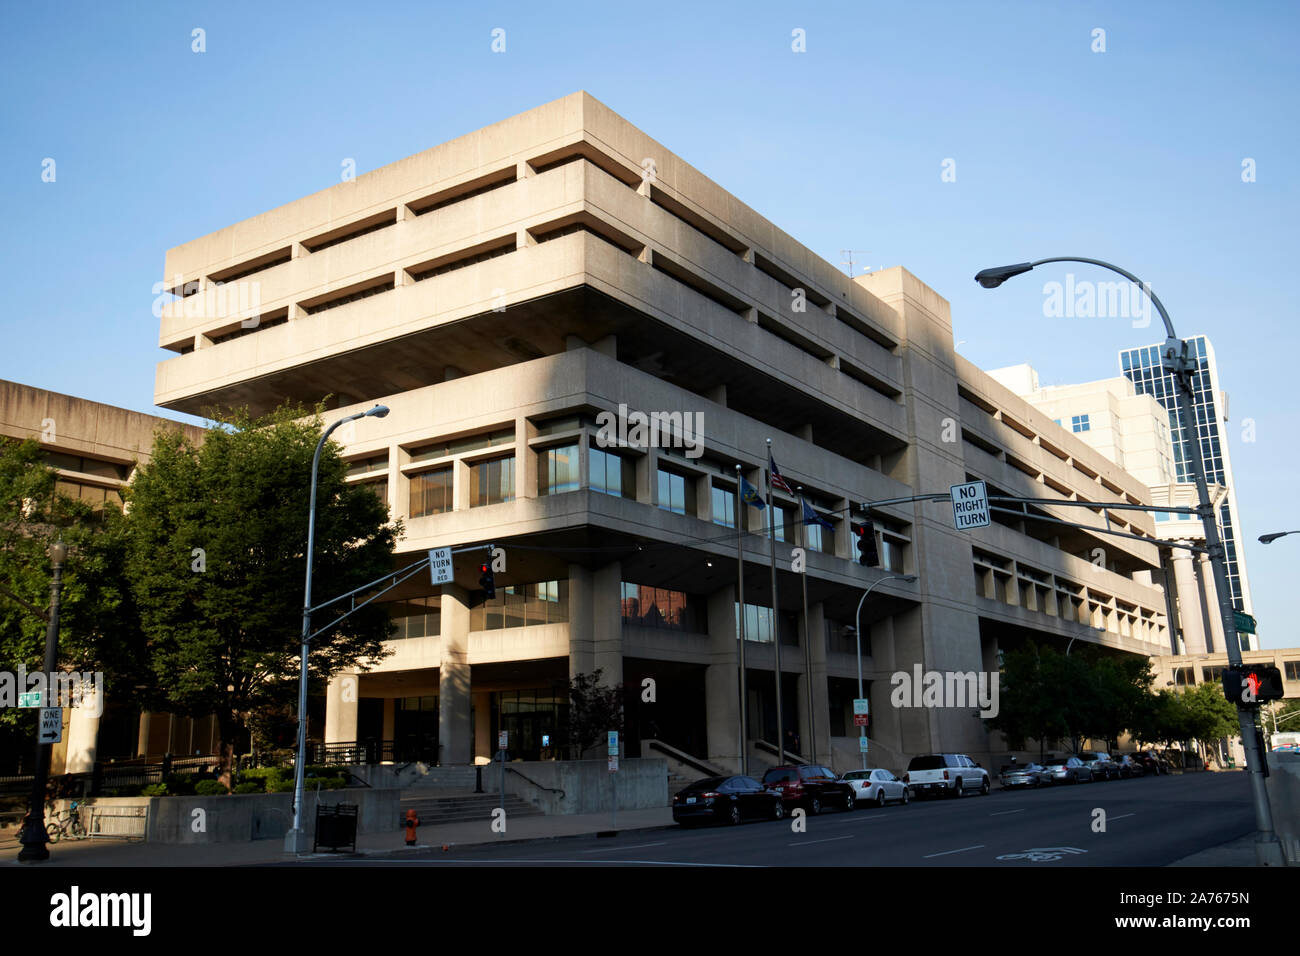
column 862, row 744
column 51, row 725
column 612, row 749
column 30, row 699
column 1244, row 622
column 440, row 568
column 970, row 505
column 503, row 744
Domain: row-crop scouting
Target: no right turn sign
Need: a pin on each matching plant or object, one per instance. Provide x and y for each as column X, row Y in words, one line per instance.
column 970, row 505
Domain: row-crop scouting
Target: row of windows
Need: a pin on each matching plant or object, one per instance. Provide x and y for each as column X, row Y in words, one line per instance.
column 523, row 605
column 646, row 606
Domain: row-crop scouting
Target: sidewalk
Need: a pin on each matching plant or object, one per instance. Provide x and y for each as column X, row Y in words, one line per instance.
column 1239, row 852
column 116, row 853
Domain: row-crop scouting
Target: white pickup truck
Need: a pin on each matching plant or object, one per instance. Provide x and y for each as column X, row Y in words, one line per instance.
column 946, row 775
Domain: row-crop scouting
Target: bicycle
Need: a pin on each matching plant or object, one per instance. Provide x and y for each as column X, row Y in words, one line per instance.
column 66, row 825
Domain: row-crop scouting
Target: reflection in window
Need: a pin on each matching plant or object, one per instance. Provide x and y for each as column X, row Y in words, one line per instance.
column 645, row 606
column 492, row 482
column 522, row 605
column 611, row 474
column 724, row 507
column 557, row 470
column 676, row 493
column 431, row 492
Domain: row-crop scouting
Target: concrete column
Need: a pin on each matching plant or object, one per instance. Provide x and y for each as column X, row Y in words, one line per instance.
column 454, row 678
column 721, row 681
column 582, row 641
column 607, row 622
column 83, row 732
column 142, row 739
column 341, row 709
column 390, row 717
column 1189, row 602
column 1211, row 596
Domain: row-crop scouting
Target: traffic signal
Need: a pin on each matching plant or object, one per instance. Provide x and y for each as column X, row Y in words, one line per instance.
column 1252, row 685
column 867, row 553
column 487, row 581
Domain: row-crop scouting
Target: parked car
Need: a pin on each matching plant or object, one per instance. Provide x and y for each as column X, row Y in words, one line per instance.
column 1152, row 763
column 811, row 787
column 1069, row 770
column 726, row 800
column 877, row 786
column 1101, row 764
column 1130, row 766
column 1024, row 775
column 948, row 775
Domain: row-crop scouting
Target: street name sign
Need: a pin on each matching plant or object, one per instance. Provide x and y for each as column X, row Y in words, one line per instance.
column 30, row 699
column 1244, row 622
column 970, row 505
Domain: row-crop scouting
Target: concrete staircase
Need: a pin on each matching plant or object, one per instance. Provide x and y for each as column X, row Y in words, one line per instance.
column 463, row 807
column 458, row 779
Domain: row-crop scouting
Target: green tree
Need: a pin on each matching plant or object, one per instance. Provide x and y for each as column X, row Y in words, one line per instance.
column 1210, row 714
column 216, row 561
column 1029, row 698
column 594, row 709
column 98, row 622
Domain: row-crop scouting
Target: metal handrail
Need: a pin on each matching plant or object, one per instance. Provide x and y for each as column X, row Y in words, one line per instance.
column 534, row 782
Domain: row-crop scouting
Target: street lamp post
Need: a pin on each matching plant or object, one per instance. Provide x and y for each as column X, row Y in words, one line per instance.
column 1270, row 538
column 296, row 839
column 909, row 578
column 34, row 833
column 1175, row 358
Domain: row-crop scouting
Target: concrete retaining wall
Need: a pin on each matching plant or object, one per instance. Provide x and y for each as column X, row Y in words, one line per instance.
column 641, row 784
column 236, row 818
column 1283, row 786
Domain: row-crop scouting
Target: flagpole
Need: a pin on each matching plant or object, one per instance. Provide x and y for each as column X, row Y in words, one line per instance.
column 776, row 617
column 807, row 635
column 740, row 600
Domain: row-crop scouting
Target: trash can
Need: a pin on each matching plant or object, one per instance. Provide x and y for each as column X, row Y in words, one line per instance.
column 336, row 827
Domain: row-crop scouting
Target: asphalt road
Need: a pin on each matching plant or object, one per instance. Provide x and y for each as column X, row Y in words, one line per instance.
column 1148, row 822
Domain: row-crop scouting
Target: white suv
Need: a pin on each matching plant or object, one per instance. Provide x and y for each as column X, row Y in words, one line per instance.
column 948, row 775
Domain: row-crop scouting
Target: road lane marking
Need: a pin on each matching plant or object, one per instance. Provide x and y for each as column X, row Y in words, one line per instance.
column 1002, row 812
column 611, row 849
column 1122, row 816
column 977, row 846
column 827, row 840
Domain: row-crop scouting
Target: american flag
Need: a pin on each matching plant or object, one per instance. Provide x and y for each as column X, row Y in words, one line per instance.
column 774, row 476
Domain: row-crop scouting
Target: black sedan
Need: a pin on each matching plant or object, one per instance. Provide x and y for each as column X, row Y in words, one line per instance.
column 726, row 800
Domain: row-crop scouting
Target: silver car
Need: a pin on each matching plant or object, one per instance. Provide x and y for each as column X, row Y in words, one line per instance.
column 1024, row 775
column 1069, row 770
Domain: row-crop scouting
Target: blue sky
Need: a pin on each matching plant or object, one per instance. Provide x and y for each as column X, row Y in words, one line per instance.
column 1132, row 155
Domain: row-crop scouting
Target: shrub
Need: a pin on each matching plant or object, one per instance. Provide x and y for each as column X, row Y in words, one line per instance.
column 251, row 786
column 127, row 790
column 325, row 783
column 279, row 786
column 209, row 788
column 181, row 783
column 154, row 790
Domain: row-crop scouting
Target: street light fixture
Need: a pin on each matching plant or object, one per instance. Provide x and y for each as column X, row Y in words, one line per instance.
column 909, row 578
column 1270, row 538
column 1176, row 360
column 296, row 839
column 35, row 836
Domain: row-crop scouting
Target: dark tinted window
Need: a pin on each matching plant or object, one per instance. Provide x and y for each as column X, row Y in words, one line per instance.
column 749, row 783
column 928, row 762
column 710, row 783
column 780, row 775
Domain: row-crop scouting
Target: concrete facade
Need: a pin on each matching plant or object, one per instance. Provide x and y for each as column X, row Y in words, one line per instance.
column 499, row 293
